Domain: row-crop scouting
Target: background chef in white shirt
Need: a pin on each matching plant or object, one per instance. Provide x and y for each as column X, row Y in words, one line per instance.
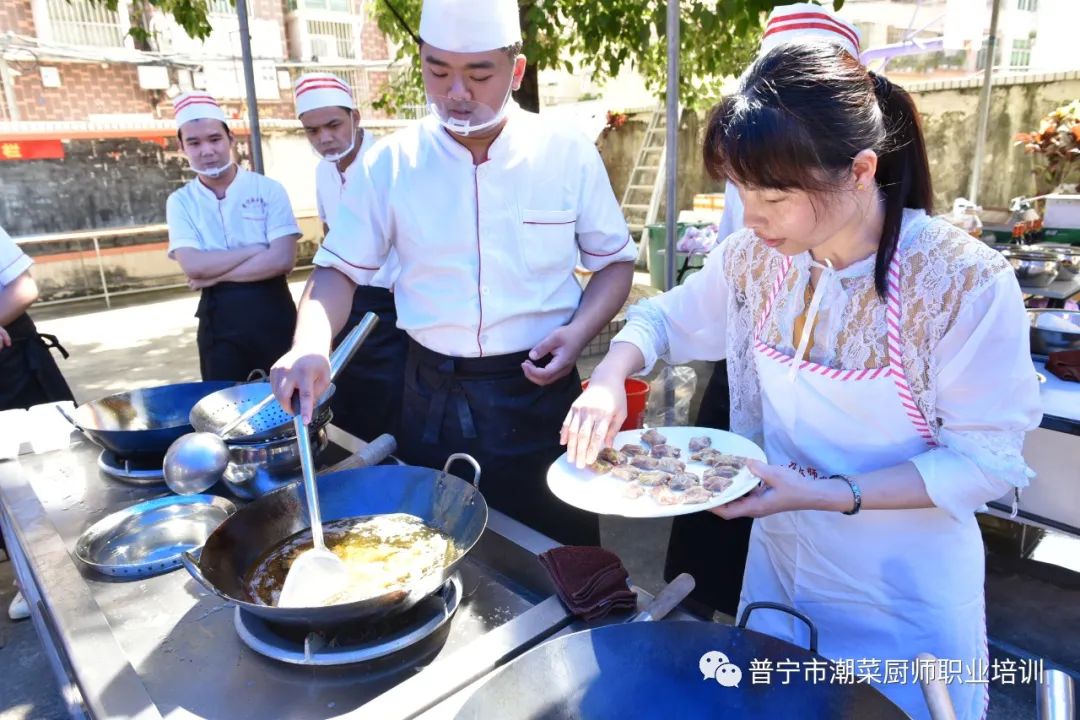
column 719, row 577
column 28, row 373
column 234, row 234
column 489, row 209
column 367, row 401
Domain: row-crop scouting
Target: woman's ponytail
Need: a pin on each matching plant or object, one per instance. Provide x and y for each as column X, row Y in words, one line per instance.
column 903, row 171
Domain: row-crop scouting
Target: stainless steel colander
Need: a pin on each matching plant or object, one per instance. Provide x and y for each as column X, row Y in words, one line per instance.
column 232, row 415
column 217, row 411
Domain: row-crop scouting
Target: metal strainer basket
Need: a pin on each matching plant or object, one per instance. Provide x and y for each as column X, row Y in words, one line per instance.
column 218, row 410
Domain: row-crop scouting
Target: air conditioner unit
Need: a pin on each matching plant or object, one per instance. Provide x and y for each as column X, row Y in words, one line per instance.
column 153, row 77
column 324, row 47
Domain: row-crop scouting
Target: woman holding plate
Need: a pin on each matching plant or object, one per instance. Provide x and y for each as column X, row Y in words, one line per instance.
column 878, row 356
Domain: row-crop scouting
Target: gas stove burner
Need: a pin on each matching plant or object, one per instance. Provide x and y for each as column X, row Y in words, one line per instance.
column 348, row 645
column 135, row 472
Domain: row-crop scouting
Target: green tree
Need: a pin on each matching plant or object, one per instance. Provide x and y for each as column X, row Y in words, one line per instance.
column 717, row 39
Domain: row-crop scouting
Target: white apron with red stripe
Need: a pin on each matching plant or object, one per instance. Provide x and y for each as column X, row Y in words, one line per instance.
column 883, row 585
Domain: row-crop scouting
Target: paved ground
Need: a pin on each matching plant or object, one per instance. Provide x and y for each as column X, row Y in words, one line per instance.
column 1033, row 607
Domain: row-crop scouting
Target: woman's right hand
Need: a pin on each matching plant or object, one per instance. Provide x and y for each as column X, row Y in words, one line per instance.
column 304, row 371
column 594, row 419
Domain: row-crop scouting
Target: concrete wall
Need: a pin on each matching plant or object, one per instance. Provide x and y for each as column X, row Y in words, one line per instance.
column 122, row 183
column 619, row 149
column 949, row 110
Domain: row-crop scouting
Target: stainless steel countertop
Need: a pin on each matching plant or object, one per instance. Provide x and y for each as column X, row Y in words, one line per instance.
column 162, row 646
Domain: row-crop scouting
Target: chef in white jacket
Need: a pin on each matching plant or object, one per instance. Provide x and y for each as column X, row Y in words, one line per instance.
column 880, row 358
column 367, row 402
column 489, row 210
column 234, row 235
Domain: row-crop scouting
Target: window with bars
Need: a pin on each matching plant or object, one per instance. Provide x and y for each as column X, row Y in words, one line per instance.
column 1029, row 5
column 331, row 40
column 1020, row 57
column 77, row 22
column 226, row 7
column 333, row 5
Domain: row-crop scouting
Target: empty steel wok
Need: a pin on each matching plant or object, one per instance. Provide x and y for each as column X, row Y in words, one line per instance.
column 659, row 669
column 443, row 501
column 142, row 423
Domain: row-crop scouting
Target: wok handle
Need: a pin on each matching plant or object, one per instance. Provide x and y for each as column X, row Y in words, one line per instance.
column 371, row 454
column 469, row 459
column 934, row 690
column 665, row 601
column 70, row 419
column 783, row 608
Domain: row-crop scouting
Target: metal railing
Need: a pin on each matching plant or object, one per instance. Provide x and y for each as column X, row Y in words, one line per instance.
column 95, row 237
column 77, row 22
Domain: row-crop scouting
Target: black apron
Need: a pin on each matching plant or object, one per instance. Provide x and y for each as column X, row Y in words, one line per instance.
column 244, row 327
column 695, row 537
column 367, row 399
column 486, row 407
column 28, row 373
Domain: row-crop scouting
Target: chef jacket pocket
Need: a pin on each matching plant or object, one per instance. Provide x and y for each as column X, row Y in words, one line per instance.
column 254, row 225
column 549, row 241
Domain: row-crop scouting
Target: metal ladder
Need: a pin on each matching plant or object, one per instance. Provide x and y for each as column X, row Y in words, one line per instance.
column 641, row 199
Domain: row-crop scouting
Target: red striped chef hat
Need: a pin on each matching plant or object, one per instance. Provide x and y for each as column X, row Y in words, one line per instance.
column 806, row 21
column 196, row 105
column 319, row 90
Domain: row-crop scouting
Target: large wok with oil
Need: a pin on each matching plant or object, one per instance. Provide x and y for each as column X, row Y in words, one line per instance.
column 443, row 501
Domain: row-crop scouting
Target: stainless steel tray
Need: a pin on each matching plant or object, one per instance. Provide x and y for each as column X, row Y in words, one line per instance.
column 149, row 537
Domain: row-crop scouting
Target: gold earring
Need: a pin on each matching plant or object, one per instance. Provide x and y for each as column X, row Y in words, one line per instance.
column 860, row 187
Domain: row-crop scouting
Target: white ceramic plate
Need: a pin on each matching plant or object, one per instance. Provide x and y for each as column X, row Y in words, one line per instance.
column 604, row 494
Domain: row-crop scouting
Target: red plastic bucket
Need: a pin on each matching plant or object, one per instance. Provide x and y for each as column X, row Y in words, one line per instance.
column 637, row 395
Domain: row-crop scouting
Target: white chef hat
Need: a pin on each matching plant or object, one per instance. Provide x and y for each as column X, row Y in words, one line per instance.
column 196, row 105
column 806, row 21
column 467, row 26
column 318, row 90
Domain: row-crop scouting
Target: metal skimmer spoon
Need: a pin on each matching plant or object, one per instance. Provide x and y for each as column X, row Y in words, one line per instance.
column 196, row 461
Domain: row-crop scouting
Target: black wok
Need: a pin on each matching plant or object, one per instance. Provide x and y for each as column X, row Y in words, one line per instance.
column 142, row 423
column 651, row 670
column 441, row 500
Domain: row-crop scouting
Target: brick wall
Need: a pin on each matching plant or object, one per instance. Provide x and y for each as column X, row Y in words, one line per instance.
column 86, row 89
column 17, row 16
column 373, row 43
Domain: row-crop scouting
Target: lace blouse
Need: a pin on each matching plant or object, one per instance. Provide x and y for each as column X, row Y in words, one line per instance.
column 964, row 331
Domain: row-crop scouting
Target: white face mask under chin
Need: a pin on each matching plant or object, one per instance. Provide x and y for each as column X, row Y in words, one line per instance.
column 334, row 157
column 468, row 127
column 213, row 172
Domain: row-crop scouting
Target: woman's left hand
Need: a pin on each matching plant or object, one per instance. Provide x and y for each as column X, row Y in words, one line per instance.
column 781, row 489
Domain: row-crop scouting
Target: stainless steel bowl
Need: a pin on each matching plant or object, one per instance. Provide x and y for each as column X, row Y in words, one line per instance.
column 256, row 468
column 1033, row 268
column 149, row 537
column 1068, row 256
column 1046, row 340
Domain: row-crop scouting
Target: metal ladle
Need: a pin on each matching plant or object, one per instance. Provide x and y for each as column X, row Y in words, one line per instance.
column 316, row 575
column 196, row 461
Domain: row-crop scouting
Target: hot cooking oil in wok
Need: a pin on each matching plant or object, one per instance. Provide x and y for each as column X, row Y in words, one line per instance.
column 383, row 553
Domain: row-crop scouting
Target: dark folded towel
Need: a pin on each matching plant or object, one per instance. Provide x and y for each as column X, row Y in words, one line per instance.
column 590, row 581
column 1065, row 364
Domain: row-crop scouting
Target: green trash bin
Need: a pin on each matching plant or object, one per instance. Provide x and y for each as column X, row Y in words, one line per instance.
column 658, row 253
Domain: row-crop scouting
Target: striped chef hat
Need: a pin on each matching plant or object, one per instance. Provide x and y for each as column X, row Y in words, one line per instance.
column 318, row 90
column 196, row 105
column 806, row 21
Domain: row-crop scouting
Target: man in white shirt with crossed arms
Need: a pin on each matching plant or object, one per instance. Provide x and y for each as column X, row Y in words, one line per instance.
column 489, row 209
column 234, row 234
